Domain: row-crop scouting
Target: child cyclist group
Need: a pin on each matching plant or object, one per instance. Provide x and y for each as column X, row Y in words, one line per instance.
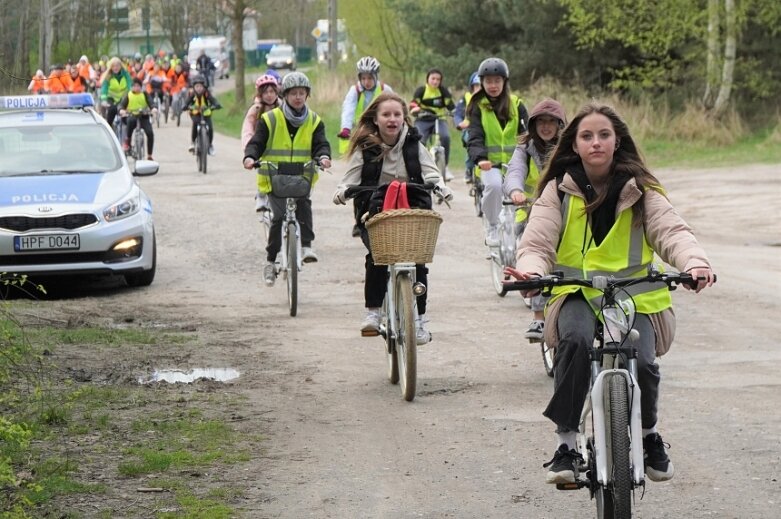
column 597, row 209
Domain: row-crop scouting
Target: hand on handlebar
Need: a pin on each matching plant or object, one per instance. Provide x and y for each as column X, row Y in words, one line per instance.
column 324, row 162
column 522, row 276
column 340, row 197
column 248, row 163
column 704, row 276
column 123, row 113
column 485, row 165
column 518, row 197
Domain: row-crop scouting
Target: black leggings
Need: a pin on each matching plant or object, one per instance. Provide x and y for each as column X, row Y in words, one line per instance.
column 377, row 278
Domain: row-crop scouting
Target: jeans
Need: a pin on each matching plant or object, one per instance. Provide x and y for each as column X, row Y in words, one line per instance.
column 572, row 367
column 304, row 217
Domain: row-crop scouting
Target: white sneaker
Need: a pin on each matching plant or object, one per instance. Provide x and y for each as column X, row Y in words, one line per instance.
column 191, row 149
column 422, row 335
column 370, row 327
column 536, row 330
column 308, row 255
column 261, row 203
column 448, row 175
column 492, row 236
column 269, row 274
column 211, row 150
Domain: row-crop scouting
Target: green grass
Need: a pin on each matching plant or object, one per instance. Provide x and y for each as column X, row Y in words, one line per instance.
column 758, row 147
column 46, row 415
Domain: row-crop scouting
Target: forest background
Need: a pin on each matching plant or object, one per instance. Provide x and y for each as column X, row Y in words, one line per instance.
column 703, row 71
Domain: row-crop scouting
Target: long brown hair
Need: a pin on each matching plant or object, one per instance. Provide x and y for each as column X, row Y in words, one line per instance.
column 367, row 133
column 627, row 159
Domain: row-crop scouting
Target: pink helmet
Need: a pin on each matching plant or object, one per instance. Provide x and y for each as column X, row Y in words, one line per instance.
column 266, row 79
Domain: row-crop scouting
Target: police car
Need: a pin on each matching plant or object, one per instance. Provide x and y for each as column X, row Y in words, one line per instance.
column 68, row 201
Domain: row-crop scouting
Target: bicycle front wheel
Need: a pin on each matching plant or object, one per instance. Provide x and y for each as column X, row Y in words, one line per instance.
column 406, row 342
column 204, row 151
column 547, row 358
column 292, row 269
column 138, row 144
column 615, row 500
column 390, row 346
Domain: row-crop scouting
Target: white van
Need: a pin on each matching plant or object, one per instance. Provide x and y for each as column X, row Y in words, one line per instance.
column 216, row 49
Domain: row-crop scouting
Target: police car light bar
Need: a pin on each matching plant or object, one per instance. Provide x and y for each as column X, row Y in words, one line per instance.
column 46, row 101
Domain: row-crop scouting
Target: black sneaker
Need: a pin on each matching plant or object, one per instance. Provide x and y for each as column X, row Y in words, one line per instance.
column 563, row 466
column 658, row 466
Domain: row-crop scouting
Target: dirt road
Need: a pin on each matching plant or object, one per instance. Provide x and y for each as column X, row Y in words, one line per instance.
column 341, row 443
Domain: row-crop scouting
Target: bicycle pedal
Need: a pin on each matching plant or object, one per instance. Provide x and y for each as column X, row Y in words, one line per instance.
column 370, row 333
column 577, row 485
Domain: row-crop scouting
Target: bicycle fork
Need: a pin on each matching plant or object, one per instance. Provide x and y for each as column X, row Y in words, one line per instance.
column 599, row 416
column 388, row 329
column 290, row 212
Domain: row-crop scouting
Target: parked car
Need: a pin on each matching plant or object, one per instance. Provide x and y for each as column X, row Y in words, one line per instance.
column 281, row 56
column 69, row 202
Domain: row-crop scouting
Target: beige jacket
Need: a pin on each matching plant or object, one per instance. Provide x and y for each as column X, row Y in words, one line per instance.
column 667, row 234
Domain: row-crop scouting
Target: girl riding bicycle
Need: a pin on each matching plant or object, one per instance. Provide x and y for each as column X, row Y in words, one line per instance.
column 430, row 104
column 289, row 133
column 385, row 147
column 546, row 121
column 496, row 119
column 266, row 99
column 202, row 102
column 600, row 211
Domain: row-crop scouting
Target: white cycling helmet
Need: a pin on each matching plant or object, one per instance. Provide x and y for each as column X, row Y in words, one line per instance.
column 368, row 65
column 295, row 79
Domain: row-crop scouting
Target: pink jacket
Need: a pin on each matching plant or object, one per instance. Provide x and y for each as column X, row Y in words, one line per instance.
column 667, row 233
column 250, row 120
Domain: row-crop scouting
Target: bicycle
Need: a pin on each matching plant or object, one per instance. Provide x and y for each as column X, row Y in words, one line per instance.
column 434, row 144
column 290, row 181
column 201, row 141
column 138, row 138
column 612, row 452
column 401, row 239
column 503, row 254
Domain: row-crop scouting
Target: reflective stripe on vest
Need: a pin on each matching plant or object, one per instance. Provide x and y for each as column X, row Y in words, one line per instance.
column 136, row 102
column 281, row 148
column 624, row 252
column 499, row 142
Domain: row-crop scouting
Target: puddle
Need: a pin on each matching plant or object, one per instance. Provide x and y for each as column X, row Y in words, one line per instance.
column 173, row 376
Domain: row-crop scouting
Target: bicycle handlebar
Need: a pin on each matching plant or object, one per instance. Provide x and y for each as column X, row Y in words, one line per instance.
column 545, row 283
column 353, row 191
column 273, row 166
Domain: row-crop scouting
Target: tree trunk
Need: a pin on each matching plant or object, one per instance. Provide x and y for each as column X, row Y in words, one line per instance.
column 237, row 39
column 711, row 74
column 728, row 70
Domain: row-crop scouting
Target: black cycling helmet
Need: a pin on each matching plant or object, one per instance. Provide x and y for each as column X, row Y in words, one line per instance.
column 194, row 80
column 493, row 67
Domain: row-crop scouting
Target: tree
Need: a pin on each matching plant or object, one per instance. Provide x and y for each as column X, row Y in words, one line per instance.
column 376, row 27
column 236, row 11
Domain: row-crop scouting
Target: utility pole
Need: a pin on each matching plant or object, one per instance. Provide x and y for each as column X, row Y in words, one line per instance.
column 333, row 35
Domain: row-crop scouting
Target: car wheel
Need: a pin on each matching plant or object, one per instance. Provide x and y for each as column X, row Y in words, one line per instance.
column 144, row 278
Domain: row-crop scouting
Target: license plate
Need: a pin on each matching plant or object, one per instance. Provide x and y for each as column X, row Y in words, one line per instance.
column 41, row 242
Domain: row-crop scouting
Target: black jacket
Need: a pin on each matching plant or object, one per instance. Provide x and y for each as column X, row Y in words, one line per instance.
column 257, row 144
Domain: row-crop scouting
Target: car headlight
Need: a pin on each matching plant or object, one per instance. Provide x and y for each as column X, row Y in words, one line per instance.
column 128, row 206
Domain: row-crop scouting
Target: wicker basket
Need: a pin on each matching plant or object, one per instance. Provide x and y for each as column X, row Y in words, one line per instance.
column 403, row 236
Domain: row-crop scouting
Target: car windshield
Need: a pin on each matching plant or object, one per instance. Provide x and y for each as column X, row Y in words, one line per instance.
column 281, row 51
column 41, row 150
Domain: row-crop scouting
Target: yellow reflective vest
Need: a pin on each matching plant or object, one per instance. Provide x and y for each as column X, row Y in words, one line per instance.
column 499, row 142
column 624, row 252
column 136, row 102
column 281, row 148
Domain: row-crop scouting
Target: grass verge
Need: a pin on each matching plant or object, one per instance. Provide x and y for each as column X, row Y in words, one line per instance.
column 76, row 441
